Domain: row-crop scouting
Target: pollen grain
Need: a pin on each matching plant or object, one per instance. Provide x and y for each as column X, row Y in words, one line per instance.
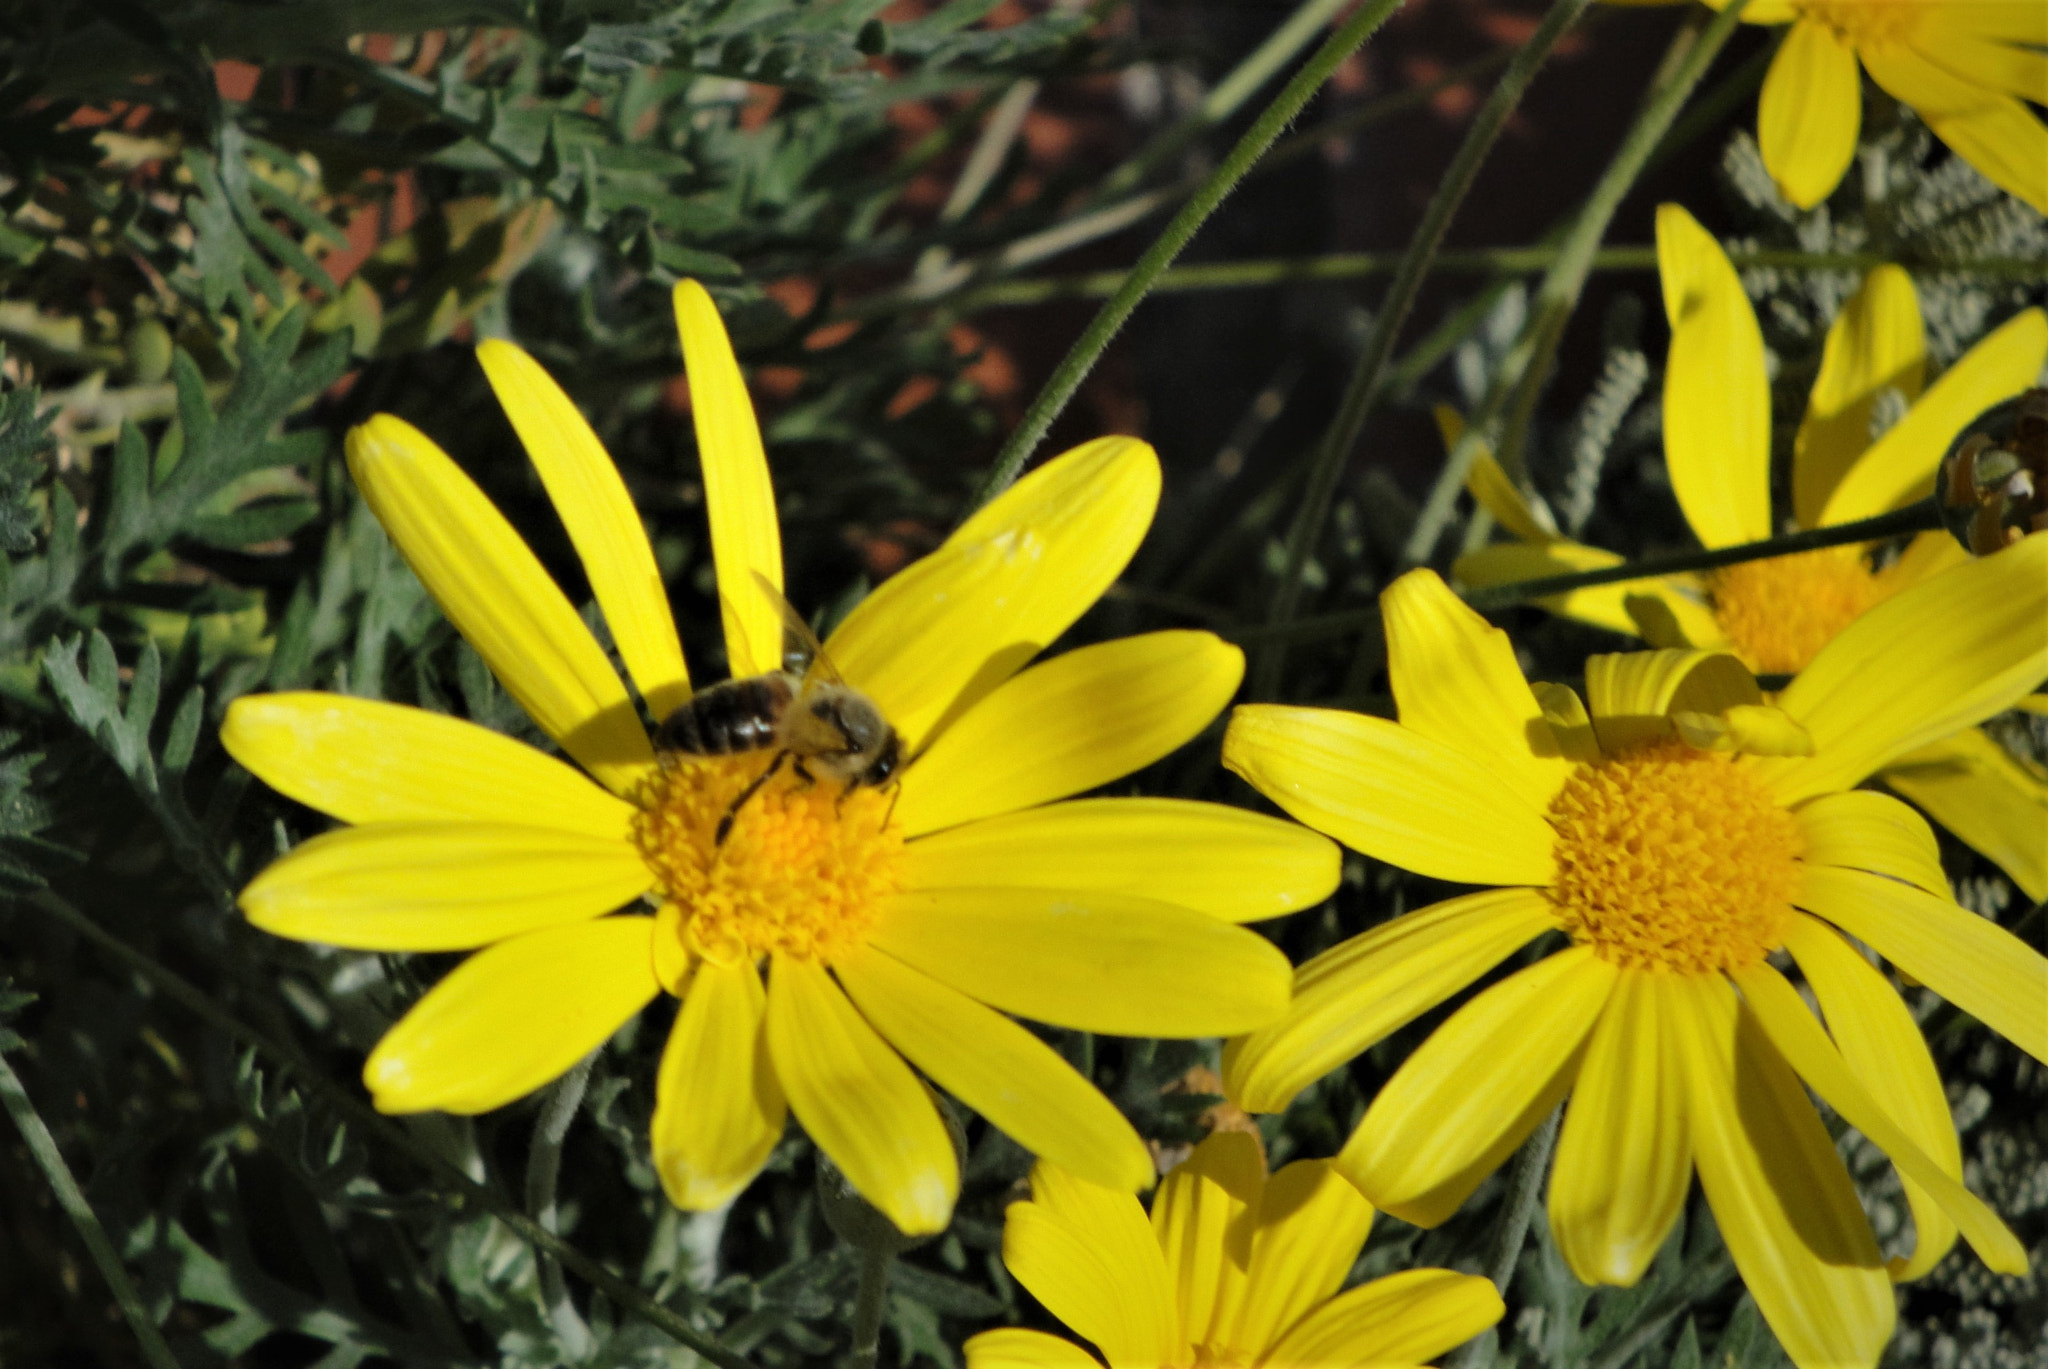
column 802, row 871
column 1674, row 859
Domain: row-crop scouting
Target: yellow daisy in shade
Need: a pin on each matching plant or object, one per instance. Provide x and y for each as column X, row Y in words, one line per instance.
column 1967, row 67
column 1776, row 614
column 836, row 938
column 1678, row 834
column 1233, row 1268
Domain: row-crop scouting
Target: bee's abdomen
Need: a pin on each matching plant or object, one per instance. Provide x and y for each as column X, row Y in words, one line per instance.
column 734, row 715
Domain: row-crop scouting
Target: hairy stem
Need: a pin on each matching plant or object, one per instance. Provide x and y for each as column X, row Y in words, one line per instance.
column 1924, row 516
column 869, row 1299
column 1364, row 387
column 1088, row 348
column 1511, row 1227
column 543, row 1170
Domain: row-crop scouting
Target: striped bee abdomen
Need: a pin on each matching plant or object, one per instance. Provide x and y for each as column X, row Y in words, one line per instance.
column 732, row 716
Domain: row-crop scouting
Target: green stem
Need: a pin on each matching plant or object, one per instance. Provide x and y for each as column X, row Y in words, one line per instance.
column 1364, row 387
column 466, row 1192
column 870, row 1297
column 1081, row 357
column 1922, row 517
column 1559, row 294
column 1266, row 272
column 43, row 1147
column 543, row 1171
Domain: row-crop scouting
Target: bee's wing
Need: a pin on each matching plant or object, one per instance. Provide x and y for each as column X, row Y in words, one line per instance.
column 801, row 649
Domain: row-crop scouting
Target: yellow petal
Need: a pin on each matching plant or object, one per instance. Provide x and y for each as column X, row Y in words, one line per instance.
column 1604, row 605
column 364, row 761
column 1358, row 991
column 495, row 592
column 746, row 540
column 1405, row 1318
column 1012, row 1347
column 1780, row 1195
column 942, row 633
column 1496, row 491
column 718, row 1107
column 1792, row 1030
column 1238, row 866
column 1094, row 961
column 1480, row 1084
column 1745, row 729
column 1633, row 694
column 1311, row 1223
column 440, row 886
column 1120, row 1304
column 1115, row 1225
column 514, row 1016
column 1949, row 653
column 1569, row 721
column 586, row 490
column 1717, row 400
column 1390, row 793
column 1860, row 830
column 1070, row 724
column 1809, row 114
column 2000, row 19
column 858, row 1100
column 1624, row 1155
column 1899, row 467
column 1971, row 961
column 1987, row 63
column 1883, row 1045
column 1972, row 786
column 1020, row 1084
column 1202, row 1216
column 1991, row 131
column 1456, row 682
column 1876, row 342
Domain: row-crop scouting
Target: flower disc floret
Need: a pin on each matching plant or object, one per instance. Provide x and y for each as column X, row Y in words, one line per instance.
column 1865, row 23
column 1674, row 859
column 1778, row 613
column 802, row 872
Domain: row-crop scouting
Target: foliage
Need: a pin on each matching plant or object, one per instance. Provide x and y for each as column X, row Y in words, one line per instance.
column 210, row 268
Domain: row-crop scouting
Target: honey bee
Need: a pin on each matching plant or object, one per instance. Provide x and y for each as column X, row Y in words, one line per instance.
column 821, row 726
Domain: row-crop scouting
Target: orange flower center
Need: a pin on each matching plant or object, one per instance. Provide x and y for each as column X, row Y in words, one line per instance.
column 801, row 872
column 1674, row 859
column 1864, row 23
column 1779, row 613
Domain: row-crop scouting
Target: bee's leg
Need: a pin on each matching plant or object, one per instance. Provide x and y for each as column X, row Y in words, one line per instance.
column 732, row 810
column 803, row 772
column 895, row 793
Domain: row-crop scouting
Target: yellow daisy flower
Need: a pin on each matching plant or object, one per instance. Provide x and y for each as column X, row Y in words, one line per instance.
column 1232, row 1268
column 1679, row 833
column 836, row 937
column 1777, row 614
column 1967, row 67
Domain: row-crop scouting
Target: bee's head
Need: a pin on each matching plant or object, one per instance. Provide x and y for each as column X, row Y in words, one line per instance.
column 887, row 758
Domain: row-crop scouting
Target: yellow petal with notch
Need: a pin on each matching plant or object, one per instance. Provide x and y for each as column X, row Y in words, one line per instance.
column 1810, row 112
column 1717, row 399
column 1202, row 1216
column 858, row 1100
column 1013, row 1347
column 1976, row 789
column 1405, row 1318
column 1311, row 1224
column 495, row 592
column 1860, row 830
